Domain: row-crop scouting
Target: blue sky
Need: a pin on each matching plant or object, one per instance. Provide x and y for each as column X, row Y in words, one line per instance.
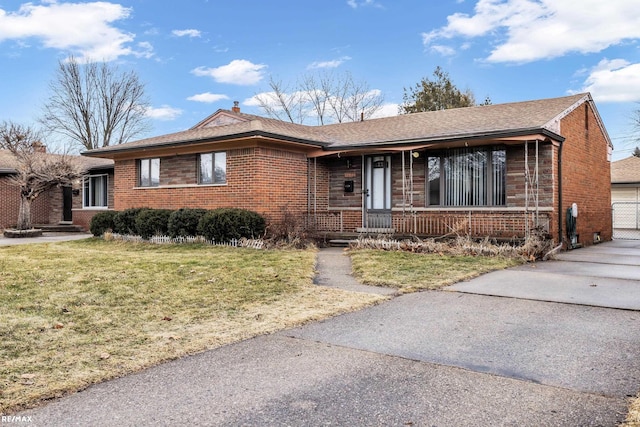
column 196, row 56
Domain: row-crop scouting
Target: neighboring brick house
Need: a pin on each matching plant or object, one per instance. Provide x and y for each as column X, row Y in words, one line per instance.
column 499, row 170
column 66, row 205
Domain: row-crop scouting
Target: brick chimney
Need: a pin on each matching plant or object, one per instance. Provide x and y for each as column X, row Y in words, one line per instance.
column 236, row 108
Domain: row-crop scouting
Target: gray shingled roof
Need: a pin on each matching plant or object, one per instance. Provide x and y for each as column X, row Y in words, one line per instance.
column 626, row 171
column 516, row 118
column 8, row 162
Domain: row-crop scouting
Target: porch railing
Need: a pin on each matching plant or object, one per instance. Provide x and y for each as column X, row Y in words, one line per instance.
column 499, row 224
column 331, row 222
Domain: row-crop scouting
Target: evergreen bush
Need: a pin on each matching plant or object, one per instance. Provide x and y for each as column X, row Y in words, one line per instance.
column 152, row 222
column 101, row 222
column 184, row 222
column 125, row 221
column 226, row 224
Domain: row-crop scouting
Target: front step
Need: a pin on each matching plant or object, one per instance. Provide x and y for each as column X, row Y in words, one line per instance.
column 60, row 228
column 340, row 243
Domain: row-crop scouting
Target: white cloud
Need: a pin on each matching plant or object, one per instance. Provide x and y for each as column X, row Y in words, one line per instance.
column 386, row 110
column 84, row 28
column 530, row 30
column 443, row 50
column 614, row 80
column 354, row 4
column 207, row 97
column 328, row 64
column 187, row 33
column 164, row 113
column 238, row 71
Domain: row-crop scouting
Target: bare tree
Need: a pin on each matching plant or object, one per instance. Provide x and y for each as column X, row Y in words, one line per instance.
column 326, row 97
column 95, row 105
column 36, row 171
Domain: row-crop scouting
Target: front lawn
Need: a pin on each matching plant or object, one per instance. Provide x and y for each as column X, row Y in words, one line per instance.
column 76, row 313
column 411, row 272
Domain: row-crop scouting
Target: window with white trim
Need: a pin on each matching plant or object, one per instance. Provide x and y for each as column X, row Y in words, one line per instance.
column 95, row 191
column 212, row 168
column 149, row 172
column 467, row 177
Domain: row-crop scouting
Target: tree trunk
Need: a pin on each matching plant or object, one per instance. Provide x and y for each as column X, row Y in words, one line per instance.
column 24, row 214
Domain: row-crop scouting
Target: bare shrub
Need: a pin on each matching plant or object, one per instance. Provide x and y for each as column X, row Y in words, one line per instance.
column 531, row 249
column 288, row 232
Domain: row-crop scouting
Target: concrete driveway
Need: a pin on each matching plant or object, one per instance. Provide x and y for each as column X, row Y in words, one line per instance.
column 441, row 358
column 604, row 275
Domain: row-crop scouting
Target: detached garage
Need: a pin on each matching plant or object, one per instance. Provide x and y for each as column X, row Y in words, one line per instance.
column 625, row 198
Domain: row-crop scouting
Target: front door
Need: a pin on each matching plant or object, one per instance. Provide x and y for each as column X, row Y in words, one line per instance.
column 67, row 204
column 377, row 212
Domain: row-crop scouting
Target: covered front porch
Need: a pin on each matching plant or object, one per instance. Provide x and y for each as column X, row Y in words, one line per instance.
column 497, row 189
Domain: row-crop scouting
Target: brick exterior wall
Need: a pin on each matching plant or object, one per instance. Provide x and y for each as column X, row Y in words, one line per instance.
column 43, row 209
column 263, row 179
column 586, row 175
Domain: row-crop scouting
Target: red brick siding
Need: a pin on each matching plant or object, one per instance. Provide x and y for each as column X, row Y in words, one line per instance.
column 43, row 211
column 262, row 179
column 586, row 175
column 419, row 184
column 344, row 169
column 516, row 175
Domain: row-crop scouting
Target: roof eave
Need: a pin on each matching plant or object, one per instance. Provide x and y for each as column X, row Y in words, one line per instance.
column 108, row 152
column 452, row 139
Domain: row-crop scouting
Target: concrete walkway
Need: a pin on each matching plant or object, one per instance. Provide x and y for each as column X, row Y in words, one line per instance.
column 424, row 359
column 333, row 268
column 47, row 237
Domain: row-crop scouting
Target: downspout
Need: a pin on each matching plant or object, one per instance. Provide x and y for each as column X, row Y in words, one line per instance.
column 560, row 214
column 527, row 182
column 537, row 185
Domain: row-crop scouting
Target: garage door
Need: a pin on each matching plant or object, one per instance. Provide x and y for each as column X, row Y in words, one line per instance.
column 626, row 220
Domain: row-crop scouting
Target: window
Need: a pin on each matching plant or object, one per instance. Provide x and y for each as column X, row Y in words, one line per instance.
column 149, row 172
column 95, row 192
column 212, row 168
column 467, row 177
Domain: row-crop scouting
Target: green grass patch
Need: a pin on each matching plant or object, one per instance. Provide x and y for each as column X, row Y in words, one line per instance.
column 80, row 312
column 409, row 271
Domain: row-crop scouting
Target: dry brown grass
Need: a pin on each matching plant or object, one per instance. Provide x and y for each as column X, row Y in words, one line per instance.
column 410, row 272
column 633, row 417
column 77, row 313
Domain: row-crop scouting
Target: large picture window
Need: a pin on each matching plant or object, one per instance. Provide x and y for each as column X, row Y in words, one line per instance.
column 149, row 172
column 467, row 177
column 95, row 191
column 212, row 168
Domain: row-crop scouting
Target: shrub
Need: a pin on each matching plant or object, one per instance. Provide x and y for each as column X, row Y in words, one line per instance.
column 225, row 224
column 152, row 222
column 125, row 221
column 101, row 222
column 184, row 222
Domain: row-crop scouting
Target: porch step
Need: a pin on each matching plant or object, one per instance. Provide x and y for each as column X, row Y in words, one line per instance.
column 60, row 228
column 339, row 243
